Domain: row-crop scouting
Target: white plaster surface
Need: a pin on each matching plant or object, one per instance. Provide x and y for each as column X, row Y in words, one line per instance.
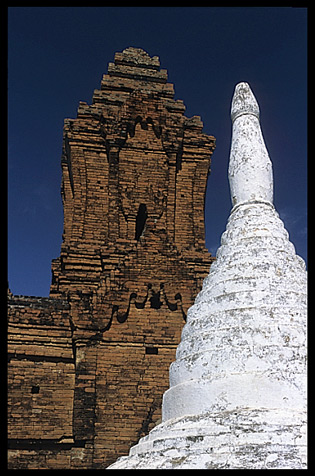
column 244, row 438
column 237, row 396
column 250, row 169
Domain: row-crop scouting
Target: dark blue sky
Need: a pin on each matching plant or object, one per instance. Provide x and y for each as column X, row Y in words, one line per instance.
column 56, row 58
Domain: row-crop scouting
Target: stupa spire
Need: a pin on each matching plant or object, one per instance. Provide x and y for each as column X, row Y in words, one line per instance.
column 237, row 396
column 250, row 168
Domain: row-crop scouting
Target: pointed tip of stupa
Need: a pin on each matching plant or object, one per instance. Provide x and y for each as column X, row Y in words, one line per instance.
column 250, row 168
column 244, row 101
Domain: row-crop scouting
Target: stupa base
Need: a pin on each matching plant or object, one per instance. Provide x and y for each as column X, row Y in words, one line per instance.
column 244, row 438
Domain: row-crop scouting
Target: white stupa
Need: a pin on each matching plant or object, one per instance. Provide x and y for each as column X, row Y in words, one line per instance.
column 237, row 396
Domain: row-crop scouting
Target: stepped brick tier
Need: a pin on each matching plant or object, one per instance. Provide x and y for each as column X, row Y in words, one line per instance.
column 237, row 396
column 89, row 365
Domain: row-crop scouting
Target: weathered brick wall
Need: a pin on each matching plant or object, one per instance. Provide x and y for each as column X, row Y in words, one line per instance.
column 41, row 378
column 132, row 260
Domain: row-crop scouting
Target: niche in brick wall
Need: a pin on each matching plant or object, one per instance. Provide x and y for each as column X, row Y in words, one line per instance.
column 151, row 350
column 142, row 216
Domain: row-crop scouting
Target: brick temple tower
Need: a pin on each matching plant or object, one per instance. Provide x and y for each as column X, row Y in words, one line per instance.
column 133, row 258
